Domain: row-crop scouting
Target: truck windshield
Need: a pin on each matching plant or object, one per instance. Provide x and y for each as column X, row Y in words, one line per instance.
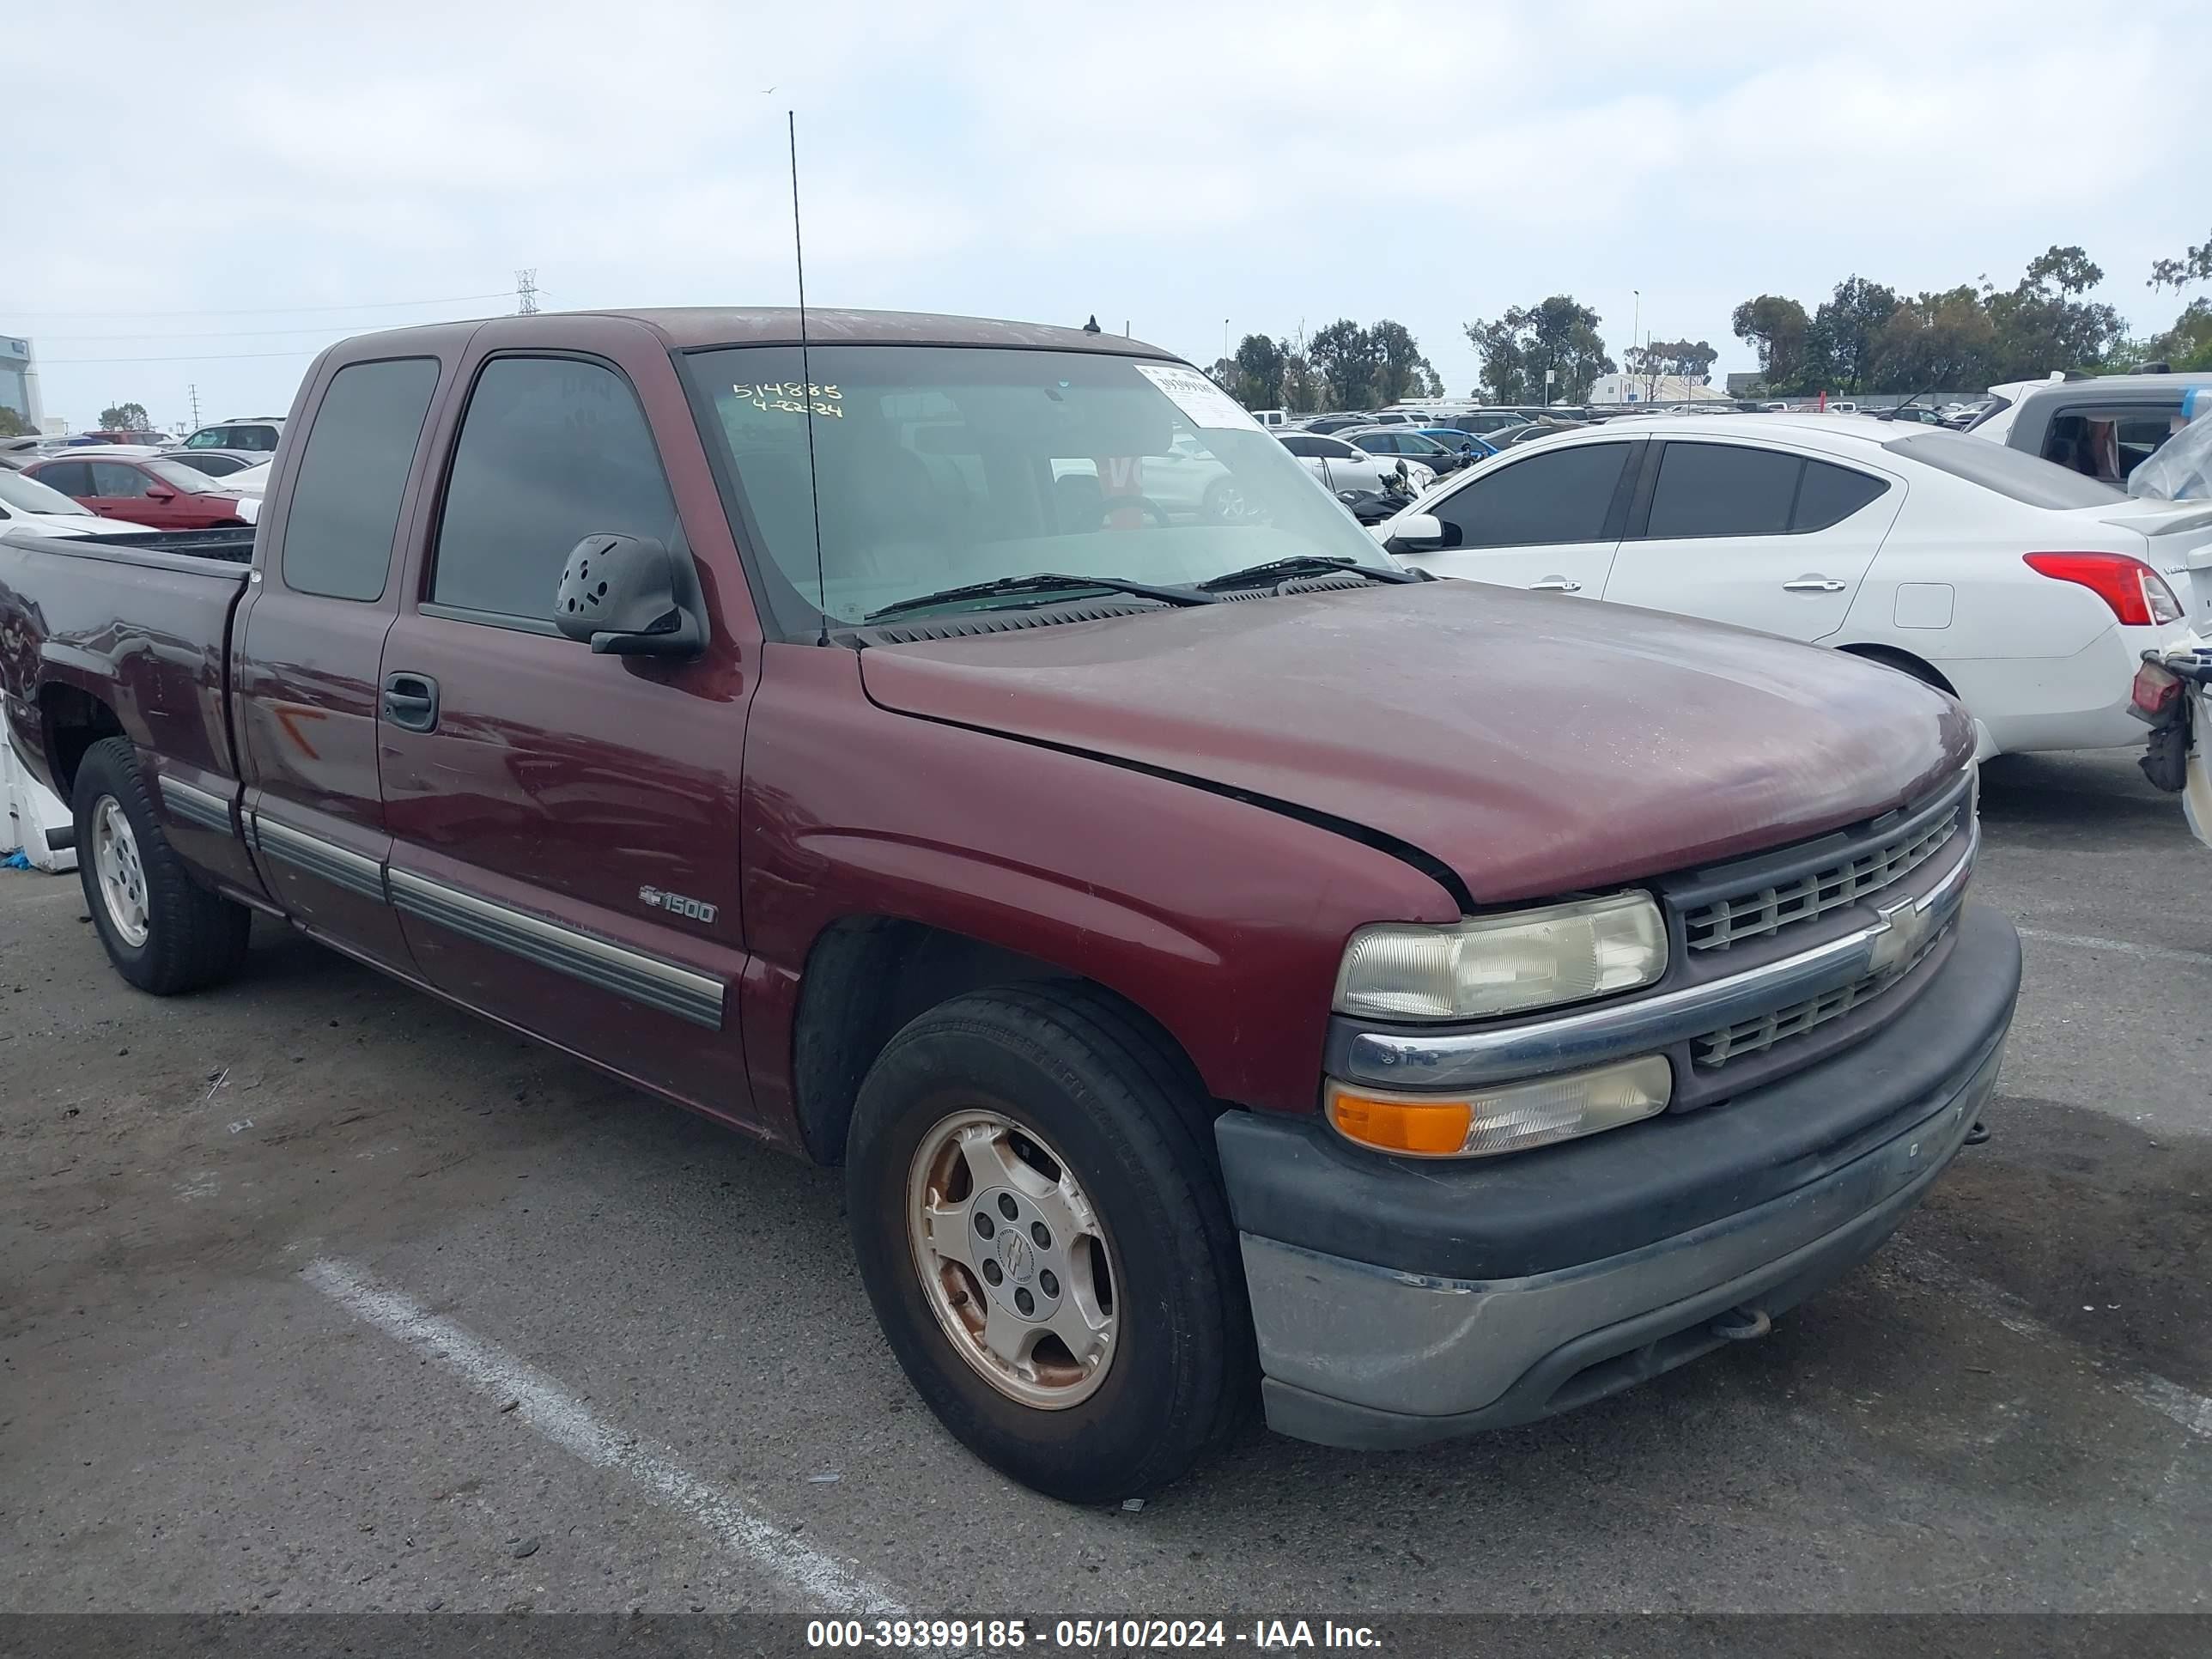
column 941, row 467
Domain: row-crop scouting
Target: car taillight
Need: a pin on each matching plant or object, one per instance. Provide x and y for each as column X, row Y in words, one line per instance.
column 2137, row 594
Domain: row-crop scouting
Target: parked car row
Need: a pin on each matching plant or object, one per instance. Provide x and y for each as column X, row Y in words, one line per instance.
column 247, row 441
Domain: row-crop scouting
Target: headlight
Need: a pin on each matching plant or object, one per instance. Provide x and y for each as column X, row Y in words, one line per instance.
column 1511, row 1117
column 1502, row 964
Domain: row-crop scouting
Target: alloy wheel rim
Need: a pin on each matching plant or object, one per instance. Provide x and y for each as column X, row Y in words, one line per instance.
column 121, row 872
column 1013, row 1260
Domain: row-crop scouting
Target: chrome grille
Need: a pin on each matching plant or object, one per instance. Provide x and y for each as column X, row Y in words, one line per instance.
column 1756, row 1036
column 1759, row 911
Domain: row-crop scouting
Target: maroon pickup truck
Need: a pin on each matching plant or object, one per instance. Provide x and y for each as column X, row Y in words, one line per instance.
column 1227, row 967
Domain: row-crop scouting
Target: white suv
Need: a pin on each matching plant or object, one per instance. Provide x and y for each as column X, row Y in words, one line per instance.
column 257, row 432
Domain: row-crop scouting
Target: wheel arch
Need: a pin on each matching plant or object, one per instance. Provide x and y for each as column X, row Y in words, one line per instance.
column 70, row 720
column 866, row 977
column 1904, row 661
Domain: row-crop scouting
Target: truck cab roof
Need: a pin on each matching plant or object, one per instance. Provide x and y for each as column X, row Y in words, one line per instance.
column 689, row 326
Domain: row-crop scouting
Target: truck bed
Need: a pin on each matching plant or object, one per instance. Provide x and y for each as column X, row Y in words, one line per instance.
column 230, row 546
column 137, row 624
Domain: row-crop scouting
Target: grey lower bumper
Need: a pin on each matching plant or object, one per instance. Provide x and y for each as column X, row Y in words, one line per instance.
column 1359, row 1355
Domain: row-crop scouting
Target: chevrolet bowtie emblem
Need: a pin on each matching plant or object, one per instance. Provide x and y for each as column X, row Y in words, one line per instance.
column 1905, row 928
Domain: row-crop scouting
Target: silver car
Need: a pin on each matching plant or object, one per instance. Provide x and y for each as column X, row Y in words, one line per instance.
column 1343, row 466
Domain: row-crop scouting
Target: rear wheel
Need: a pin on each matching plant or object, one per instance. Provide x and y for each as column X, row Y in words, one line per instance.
column 164, row 932
column 1046, row 1242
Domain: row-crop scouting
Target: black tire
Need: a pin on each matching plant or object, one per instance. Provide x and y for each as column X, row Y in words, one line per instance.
column 1092, row 1080
column 194, row 938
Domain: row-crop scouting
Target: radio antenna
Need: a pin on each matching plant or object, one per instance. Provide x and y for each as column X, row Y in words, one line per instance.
column 806, row 376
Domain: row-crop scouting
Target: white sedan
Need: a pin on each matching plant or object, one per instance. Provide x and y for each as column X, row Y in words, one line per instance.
column 2027, row 591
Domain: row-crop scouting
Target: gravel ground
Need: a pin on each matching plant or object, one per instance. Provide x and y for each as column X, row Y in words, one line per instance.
column 317, row 1294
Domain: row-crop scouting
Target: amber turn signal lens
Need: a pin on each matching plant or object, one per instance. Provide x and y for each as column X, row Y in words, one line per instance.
column 1431, row 1129
column 1508, row 1117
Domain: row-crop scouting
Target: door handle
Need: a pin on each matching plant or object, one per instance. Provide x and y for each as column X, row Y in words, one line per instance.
column 411, row 701
column 1555, row 584
column 1814, row 585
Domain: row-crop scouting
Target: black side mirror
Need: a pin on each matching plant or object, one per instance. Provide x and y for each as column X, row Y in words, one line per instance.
column 623, row 595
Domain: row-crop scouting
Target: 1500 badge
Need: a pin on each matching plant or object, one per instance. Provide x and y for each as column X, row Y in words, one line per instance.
column 677, row 905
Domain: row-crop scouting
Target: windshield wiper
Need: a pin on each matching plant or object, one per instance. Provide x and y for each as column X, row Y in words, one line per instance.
column 1303, row 564
column 1042, row 581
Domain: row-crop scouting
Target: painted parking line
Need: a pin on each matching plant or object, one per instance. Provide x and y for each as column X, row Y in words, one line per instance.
column 2121, row 947
column 2191, row 1410
column 552, row 1411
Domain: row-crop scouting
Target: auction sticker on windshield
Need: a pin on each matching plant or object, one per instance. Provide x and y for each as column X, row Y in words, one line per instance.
column 1203, row 403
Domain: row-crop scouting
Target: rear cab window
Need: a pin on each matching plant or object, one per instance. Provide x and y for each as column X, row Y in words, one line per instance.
column 345, row 504
column 2111, row 441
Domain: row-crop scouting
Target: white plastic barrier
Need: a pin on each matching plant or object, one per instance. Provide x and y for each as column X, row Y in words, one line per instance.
column 32, row 810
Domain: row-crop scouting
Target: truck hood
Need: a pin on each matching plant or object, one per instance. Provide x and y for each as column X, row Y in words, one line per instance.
column 1535, row 745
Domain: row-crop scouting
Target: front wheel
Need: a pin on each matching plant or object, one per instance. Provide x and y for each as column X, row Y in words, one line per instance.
column 1046, row 1242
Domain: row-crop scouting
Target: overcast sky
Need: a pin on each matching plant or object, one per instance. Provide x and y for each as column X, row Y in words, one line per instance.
column 239, row 172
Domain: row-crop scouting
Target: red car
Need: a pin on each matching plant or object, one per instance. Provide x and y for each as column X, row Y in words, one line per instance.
column 160, row 494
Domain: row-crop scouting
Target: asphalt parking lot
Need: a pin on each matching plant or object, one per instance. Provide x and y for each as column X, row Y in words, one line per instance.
column 317, row 1294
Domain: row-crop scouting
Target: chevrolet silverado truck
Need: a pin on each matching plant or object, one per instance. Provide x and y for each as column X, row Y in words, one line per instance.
column 1229, row 968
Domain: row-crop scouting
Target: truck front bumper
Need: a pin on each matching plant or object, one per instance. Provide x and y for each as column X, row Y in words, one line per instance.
column 1402, row 1301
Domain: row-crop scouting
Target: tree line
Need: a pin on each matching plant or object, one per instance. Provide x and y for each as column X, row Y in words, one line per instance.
column 1867, row 337
column 1343, row 366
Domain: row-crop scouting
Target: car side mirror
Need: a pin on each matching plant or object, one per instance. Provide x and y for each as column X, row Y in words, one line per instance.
column 158, row 493
column 1416, row 533
column 625, row 596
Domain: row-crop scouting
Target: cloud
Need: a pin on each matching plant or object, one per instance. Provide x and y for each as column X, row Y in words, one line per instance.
column 1167, row 164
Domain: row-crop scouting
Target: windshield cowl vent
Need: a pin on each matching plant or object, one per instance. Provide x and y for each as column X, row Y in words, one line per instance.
column 987, row 622
column 1296, row 585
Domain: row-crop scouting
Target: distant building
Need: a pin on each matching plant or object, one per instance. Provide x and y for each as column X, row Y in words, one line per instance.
column 1649, row 389
column 19, row 378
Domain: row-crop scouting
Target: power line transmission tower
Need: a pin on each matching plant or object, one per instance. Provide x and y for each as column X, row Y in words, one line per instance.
column 195, row 392
column 525, row 292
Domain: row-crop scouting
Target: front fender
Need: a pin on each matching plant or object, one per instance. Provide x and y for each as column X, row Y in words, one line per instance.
column 1222, row 919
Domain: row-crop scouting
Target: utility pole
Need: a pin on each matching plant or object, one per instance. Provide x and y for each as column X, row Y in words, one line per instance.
column 525, row 292
column 195, row 392
column 1634, row 329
